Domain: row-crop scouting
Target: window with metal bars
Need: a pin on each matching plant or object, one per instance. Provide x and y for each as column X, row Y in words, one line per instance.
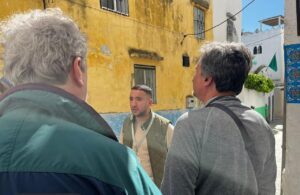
column 145, row 75
column 119, row 6
column 199, row 23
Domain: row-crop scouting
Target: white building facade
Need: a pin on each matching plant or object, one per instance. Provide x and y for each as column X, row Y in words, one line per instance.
column 268, row 59
column 230, row 30
column 265, row 46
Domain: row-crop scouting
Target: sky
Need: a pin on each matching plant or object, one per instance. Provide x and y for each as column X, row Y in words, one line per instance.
column 259, row 10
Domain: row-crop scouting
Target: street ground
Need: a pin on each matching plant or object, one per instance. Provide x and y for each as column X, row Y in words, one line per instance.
column 277, row 127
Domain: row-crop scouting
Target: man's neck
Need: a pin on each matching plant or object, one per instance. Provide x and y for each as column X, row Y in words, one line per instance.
column 217, row 94
column 72, row 89
column 144, row 118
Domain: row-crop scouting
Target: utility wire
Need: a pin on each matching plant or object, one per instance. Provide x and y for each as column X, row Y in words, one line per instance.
column 185, row 35
column 231, row 17
column 264, row 39
column 107, row 11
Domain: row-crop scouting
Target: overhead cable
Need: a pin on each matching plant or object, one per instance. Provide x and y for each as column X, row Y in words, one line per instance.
column 264, row 39
column 231, row 17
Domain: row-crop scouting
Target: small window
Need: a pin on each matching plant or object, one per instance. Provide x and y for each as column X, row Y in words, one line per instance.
column 185, row 61
column 146, row 75
column 259, row 49
column 199, row 23
column 255, row 50
column 119, row 6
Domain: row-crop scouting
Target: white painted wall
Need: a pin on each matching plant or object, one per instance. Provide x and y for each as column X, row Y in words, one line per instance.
column 271, row 42
column 252, row 98
column 220, row 8
column 290, row 175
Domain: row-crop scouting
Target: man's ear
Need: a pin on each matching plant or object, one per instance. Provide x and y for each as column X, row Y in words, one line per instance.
column 77, row 72
column 150, row 101
column 208, row 80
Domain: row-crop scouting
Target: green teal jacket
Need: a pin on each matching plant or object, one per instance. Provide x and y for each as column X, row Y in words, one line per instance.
column 44, row 129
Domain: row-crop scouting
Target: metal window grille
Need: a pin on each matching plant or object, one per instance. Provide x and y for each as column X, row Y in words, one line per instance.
column 146, row 75
column 199, row 23
column 119, row 6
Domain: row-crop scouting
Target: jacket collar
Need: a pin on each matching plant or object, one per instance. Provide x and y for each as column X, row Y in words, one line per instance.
column 146, row 123
column 64, row 104
column 221, row 99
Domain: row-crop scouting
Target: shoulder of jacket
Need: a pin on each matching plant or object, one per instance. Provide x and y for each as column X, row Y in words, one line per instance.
column 161, row 118
column 204, row 114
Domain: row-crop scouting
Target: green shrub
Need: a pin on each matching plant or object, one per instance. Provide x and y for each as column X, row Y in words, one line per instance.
column 259, row 83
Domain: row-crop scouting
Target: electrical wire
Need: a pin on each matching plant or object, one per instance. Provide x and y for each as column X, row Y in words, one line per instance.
column 231, row 17
column 264, row 39
column 128, row 18
column 164, row 28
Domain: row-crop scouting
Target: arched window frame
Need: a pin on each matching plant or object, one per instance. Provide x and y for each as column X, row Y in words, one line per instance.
column 259, row 50
column 255, row 50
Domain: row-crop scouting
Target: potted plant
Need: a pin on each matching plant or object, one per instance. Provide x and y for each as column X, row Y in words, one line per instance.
column 255, row 93
column 259, row 83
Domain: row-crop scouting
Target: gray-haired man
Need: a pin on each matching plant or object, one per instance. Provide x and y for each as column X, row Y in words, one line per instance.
column 224, row 147
column 51, row 140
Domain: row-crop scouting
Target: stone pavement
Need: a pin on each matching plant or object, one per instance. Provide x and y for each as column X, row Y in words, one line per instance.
column 277, row 127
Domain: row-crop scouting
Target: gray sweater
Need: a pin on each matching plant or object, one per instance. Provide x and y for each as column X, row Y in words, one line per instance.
column 208, row 156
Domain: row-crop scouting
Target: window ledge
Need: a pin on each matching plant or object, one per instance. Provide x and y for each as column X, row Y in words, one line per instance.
column 115, row 11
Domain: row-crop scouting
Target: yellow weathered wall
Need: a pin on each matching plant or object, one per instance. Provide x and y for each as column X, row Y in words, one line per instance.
column 9, row 7
column 156, row 26
column 152, row 25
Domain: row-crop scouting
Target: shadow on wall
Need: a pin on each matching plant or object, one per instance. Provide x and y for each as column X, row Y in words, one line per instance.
column 115, row 120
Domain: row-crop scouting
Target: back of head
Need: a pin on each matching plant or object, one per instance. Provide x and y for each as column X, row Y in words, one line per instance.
column 227, row 63
column 40, row 46
column 144, row 88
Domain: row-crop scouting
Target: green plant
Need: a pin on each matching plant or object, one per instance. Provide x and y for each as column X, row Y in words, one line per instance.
column 259, row 83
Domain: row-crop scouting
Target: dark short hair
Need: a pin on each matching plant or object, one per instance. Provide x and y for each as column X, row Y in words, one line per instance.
column 227, row 63
column 144, row 88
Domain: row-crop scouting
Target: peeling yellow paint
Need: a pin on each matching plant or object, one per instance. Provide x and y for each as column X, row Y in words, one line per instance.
column 152, row 25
